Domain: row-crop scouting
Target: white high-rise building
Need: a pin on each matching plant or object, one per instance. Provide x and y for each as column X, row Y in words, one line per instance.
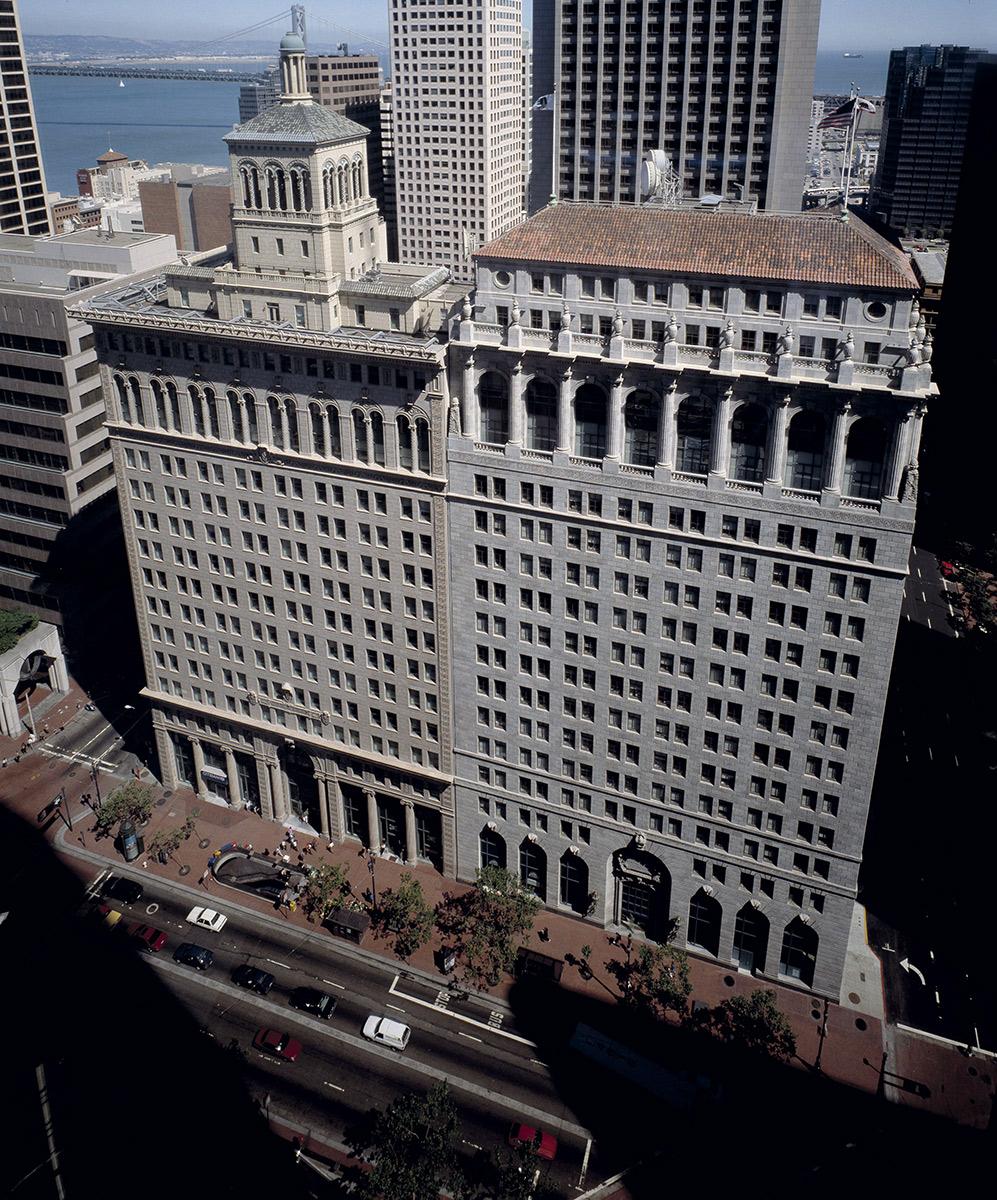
column 456, row 71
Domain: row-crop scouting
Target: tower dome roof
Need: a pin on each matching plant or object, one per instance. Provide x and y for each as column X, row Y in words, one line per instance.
column 292, row 41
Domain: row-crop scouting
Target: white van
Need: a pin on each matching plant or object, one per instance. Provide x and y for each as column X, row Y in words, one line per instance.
column 389, row 1033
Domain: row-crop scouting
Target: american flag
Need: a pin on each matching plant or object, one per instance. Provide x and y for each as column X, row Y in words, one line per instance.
column 843, row 115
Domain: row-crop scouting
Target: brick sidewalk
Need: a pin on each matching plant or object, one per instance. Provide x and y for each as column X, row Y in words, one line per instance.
column 853, row 1045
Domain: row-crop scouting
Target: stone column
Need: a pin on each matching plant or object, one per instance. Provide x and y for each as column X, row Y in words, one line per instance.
column 565, row 414
column 373, row 820
column 242, row 433
column 323, row 805
column 775, row 452
column 277, row 791
column 58, row 678
column 896, row 458
column 516, row 412
column 198, row 750
column 667, row 430
column 720, row 435
column 368, row 439
column 472, row 410
column 839, row 437
column 232, row 771
column 411, row 839
column 267, row 807
column 167, row 759
column 303, row 416
column 337, row 822
column 614, row 448
column 263, row 427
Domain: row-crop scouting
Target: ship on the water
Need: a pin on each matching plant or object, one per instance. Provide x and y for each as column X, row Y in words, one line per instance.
column 850, row 54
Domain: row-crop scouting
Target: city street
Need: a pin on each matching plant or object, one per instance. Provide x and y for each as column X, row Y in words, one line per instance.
column 934, row 777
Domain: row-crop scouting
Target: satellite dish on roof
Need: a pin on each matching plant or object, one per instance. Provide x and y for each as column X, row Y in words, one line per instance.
column 659, row 183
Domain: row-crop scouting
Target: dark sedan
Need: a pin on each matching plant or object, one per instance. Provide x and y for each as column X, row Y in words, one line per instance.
column 126, row 890
column 311, row 1000
column 253, row 978
column 190, row 955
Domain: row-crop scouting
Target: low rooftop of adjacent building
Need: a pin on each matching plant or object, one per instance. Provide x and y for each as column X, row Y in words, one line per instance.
column 816, row 248
column 72, row 261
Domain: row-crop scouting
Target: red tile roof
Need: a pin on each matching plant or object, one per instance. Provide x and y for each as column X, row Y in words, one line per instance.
column 816, row 248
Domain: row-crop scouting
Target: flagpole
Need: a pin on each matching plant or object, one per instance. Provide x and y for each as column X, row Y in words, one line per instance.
column 847, row 165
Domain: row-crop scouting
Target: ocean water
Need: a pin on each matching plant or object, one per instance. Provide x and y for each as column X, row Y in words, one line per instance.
column 160, row 120
column 164, row 120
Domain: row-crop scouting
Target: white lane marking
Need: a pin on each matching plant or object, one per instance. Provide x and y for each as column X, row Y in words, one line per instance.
column 335, row 1086
column 473, row 1145
column 919, row 575
column 538, row 1062
column 81, row 759
column 470, row 1036
column 938, row 999
column 513, row 1037
column 585, row 1165
column 928, row 619
column 395, row 1007
column 930, row 755
column 277, row 964
column 955, row 758
column 335, row 985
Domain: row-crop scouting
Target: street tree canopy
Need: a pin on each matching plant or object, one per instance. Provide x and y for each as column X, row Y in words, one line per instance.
column 753, row 1022
column 487, row 925
column 325, row 888
column 132, row 802
column 405, row 913
column 411, row 1146
column 653, row 979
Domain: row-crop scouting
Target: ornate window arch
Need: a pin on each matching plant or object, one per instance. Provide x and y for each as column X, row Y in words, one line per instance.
column 335, row 436
column 291, row 437
column 693, row 424
column 139, row 407
column 124, row 401
column 276, row 410
column 235, row 416
column 641, row 414
column 422, row 445
column 491, row 848
column 806, row 440
column 865, row 453
column 405, row 432
column 361, row 435
column 591, row 410
column 749, row 429
column 376, row 420
column 540, row 400
column 252, row 418
column 197, row 410
column 493, row 404
column 159, row 404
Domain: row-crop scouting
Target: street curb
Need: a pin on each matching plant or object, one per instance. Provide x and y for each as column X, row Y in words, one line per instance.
column 402, row 970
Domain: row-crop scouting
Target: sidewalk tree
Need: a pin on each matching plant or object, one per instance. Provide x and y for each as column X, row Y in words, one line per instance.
column 410, row 1146
column 133, row 802
column 509, row 1174
column 325, row 888
column 486, row 925
column 166, row 842
column 653, row 979
column 753, row 1022
column 405, row 913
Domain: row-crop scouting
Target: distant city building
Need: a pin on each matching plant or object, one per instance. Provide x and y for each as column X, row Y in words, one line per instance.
column 191, row 204
column 255, row 97
column 527, row 86
column 928, row 95
column 725, row 91
column 458, row 127
column 543, row 105
column 55, row 458
column 114, row 177
column 23, row 203
column 814, row 138
column 390, row 211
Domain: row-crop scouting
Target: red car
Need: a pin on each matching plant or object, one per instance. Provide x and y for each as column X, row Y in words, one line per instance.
column 544, row 1144
column 947, row 569
column 149, row 939
column 282, row 1045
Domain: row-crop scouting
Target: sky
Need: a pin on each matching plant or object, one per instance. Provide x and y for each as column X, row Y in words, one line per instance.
column 845, row 24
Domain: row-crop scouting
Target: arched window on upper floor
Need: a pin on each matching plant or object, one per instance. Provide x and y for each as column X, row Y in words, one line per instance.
column 590, row 421
column 748, row 434
column 805, row 442
column 493, row 402
column 541, row 415
column 377, row 438
column 276, row 411
column 405, row 434
column 692, row 441
column 640, row 428
column 864, row 457
column 291, row 437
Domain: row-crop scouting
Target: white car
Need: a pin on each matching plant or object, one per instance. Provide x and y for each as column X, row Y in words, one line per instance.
column 387, row 1032
column 207, row 918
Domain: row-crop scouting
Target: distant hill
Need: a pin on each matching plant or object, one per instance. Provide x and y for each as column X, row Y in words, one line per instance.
column 83, row 46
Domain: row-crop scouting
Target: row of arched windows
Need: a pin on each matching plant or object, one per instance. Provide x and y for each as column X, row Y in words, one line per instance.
column 642, row 901
column 807, row 447
column 280, row 422
column 277, row 188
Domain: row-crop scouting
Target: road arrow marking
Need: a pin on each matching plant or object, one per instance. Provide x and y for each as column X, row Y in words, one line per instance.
column 909, row 966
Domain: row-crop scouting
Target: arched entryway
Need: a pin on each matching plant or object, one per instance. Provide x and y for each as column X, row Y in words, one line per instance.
column 491, row 849
column 574, row 882
column 798, row 959
column 642, row 889
column 705, row 916
column 751, row 938
column 302, row 786
column 533, row 868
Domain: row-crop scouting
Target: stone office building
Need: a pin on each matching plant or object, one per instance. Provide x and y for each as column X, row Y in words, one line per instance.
column 681, row 504
column 278, row 426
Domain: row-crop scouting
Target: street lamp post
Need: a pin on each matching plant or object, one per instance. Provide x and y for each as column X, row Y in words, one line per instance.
column 96, row 779
column 371, row 863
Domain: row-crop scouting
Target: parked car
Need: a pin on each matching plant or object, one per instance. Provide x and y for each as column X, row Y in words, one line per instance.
column 112, row 918
column 386, row 1032
column 281, row 1045
column 116, row 887
column 311, row 1000
column 947, row 569
column 148, row 938
column 207, row 918
column 544, row 1144
column 191, row 955
column 253, row 978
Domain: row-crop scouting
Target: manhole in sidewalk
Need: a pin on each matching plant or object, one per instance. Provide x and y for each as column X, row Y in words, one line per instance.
column 729, row 980
column 815, row 1013
column 185, row 870
column 204, row 843
column 973, row 1071
column 854, row 998
column 168, row 793
column 860, row 1025
column 161, row 801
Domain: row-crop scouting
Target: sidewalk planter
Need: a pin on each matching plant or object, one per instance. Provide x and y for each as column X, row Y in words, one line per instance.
column 531, row 964
column 348, row 923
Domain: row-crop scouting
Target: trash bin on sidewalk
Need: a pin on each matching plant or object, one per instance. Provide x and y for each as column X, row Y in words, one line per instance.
column 533, row 964
column 129, row 842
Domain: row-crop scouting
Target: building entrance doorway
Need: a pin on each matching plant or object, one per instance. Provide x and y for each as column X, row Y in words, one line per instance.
column 302, row 788
column 429, row 837
column 391, row 825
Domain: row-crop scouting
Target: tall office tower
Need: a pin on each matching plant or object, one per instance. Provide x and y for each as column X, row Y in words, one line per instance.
column 55, row 458
column 277, row 421
column 722, row 86
column 541, row 176
column 351, row 84
column 527, row 85
column 928, row 95
column 23, row 207
column 255, row 97
column 390, row 210
column 458, row 106
column 680, row 518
